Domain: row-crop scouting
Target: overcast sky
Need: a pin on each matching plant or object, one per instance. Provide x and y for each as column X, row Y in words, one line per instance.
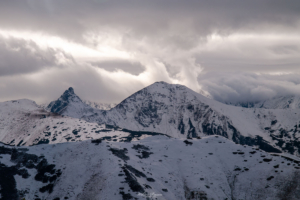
column 106, row 50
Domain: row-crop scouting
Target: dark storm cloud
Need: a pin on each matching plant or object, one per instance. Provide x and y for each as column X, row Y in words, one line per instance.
column 18, row 56
column 165, row 39
column 71, row 18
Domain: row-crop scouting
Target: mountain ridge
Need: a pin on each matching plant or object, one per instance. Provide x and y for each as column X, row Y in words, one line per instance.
column 163, row 108
column 164, row 140
column 180, row 112
column 281, row 102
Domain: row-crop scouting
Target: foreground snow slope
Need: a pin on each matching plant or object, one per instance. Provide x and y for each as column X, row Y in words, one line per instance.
column 22, row 122
column 208, row 168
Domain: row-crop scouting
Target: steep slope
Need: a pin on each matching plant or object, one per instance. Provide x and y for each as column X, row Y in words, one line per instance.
column 160, row 167
column 282, row 102
column 165, row 108
column 23, row 122
column 69, row 104
column 177, row 111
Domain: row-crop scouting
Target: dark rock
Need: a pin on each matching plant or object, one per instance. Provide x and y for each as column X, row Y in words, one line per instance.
column 140, row 147
column 187, row 142
column 136, row 172
column 273, row 122
column 267, row 159
column 132, row 182
column 145, row 154
column 121, row 153
column 126, row 196
column 181, row 126
column 97, row 141
column 150, row 180
column 43, row 141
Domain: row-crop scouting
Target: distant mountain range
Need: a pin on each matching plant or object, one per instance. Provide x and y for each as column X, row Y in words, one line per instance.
column 100, row 106
column 282, row 102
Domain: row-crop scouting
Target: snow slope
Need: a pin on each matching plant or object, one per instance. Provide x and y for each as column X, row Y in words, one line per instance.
column 23, row 122
column 166, row 168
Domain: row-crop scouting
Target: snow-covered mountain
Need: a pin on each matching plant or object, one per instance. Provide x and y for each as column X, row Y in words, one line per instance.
column 174, row 110
column 164, row 142
column 156, row 167
column 24, row 123
column 282, row 102
column 179, row 112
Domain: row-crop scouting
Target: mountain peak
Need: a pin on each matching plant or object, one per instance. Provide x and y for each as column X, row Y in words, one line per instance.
column 68, row 94
column 161, row 82
column 157, row 84
column 64, row 101
column 71, row 90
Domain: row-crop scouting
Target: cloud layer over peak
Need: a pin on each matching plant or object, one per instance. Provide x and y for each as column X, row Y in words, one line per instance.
column 234, row 50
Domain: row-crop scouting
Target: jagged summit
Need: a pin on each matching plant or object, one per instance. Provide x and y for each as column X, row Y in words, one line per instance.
column 69, row 94
column 164, row 89
column 69, row 104
column 70, row 90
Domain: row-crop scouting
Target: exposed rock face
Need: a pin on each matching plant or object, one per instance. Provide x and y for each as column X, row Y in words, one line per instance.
column 70, row 104
column 61, row 104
